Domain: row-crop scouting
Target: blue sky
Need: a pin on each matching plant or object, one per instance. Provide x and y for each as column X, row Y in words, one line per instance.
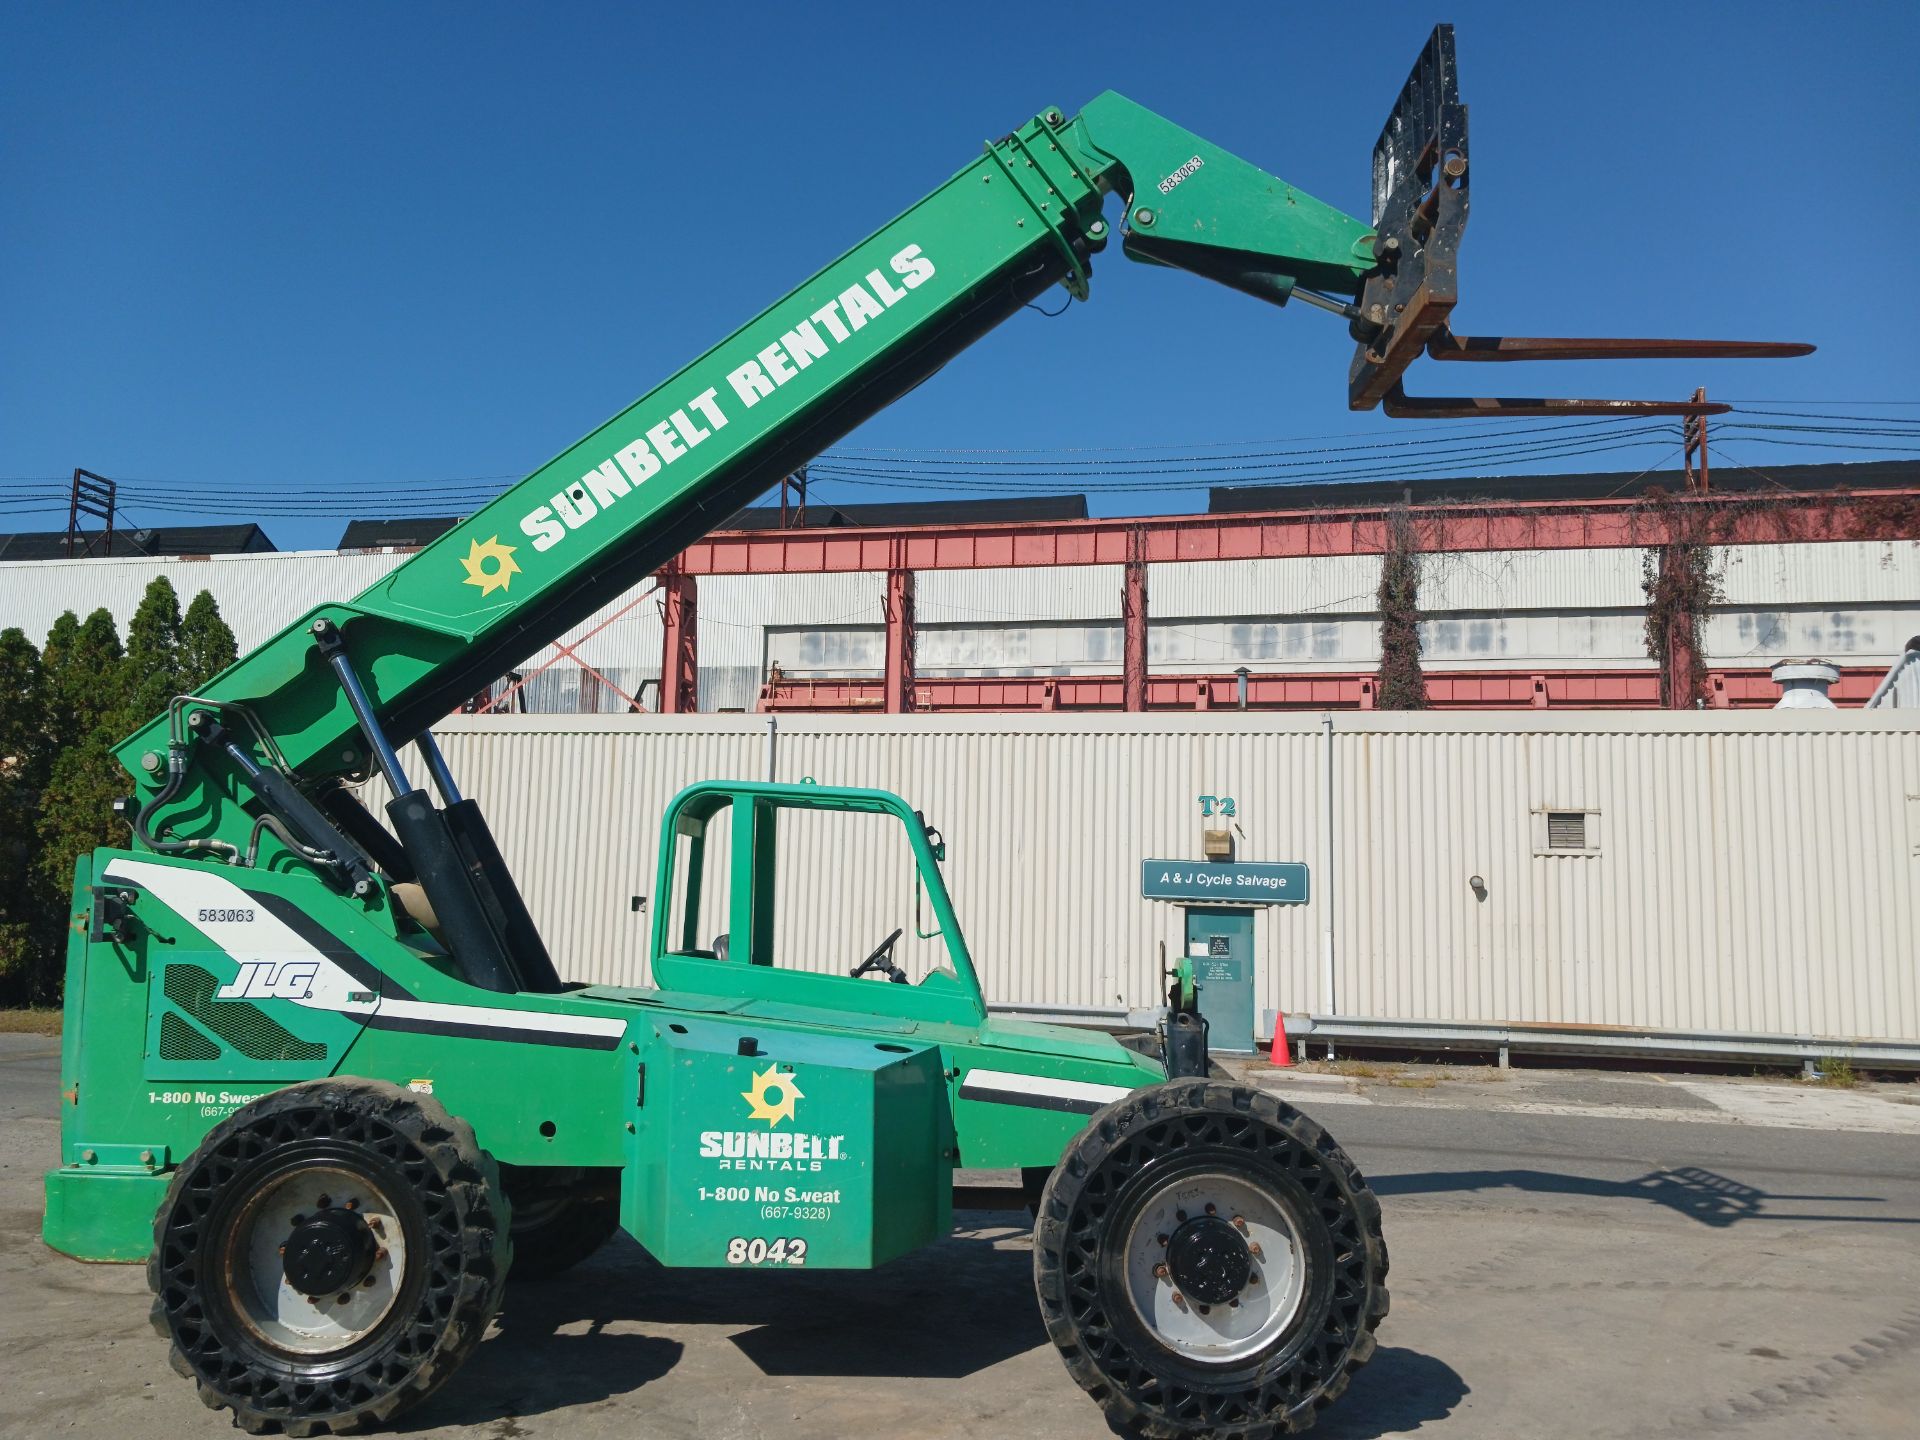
column 274, row 249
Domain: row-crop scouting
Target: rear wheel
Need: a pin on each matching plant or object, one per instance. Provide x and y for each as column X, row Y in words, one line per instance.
column 561, row 1215
column 1209, row 1262
column 328, row 1256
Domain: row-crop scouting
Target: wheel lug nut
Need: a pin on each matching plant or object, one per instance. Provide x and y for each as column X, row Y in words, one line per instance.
column 324, row 1201
column 353, row 1204
column 1253, row 1279
column 345, row 1298
column 299, row 1219
column 1163, row 1240
column 1233, row 1304
column 1255, row 1250
column 1179, row 1214
column 1179, row 1300
column 1206, row 1309
column 367, row 1284
column 1239, row 1224
column 1211, row 1210
column 1160, row 1271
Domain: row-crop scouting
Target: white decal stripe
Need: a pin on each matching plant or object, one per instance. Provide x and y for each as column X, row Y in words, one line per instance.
column 540, row 1020
column 1011, row 1082
column 189, row 891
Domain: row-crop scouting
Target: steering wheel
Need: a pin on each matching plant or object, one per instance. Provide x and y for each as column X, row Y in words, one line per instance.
column 882, row 959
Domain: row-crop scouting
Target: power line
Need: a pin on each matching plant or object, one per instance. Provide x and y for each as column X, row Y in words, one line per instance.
column 1132, row 469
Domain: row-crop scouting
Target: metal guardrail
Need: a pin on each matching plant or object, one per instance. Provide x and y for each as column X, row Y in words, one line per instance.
column 1598, row 1040
column 1504, row 1039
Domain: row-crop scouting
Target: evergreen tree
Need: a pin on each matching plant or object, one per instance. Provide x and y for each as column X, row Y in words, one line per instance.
column 206, row 644
column 153, row 654
column 88, row 690
column 61, row 642
column 23, row 766
column 85, row 674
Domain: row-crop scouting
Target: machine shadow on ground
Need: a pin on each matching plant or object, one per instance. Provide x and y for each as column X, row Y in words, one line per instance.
column 1702, row 1195
column 556, row 1346
column 1399, row 1391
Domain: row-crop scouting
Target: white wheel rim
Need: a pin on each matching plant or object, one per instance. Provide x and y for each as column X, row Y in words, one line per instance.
column 257, row 1281
column 1264, row 1308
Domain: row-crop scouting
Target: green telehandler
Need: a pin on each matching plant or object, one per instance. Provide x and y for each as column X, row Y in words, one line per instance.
column 320, row 1072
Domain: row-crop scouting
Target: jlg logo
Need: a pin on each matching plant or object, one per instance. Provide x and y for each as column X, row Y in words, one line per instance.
column 271, row 980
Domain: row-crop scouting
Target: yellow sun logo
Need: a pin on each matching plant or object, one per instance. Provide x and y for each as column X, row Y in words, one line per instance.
column 772, row 1111
column 500, row 575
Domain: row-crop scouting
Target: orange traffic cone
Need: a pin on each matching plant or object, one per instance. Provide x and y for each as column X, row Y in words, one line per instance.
column 1280, row 1056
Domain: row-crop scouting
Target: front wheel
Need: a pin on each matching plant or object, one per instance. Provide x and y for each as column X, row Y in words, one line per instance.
column 328, row 1256
column 1208, row 1261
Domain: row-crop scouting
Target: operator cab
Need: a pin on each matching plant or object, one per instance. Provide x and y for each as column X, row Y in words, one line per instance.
column 814, row 893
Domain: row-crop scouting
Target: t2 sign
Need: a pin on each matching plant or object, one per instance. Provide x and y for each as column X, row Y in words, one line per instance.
column 1232, row 882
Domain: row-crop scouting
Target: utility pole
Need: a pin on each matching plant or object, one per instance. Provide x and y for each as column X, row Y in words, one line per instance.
column 1693, row 434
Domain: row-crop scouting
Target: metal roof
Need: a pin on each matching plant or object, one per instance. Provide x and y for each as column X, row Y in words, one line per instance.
column 1733, row 479
column 166, row 540
column 391, row 534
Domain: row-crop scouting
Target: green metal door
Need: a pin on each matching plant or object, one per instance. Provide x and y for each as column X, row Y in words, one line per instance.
column 1220, row 944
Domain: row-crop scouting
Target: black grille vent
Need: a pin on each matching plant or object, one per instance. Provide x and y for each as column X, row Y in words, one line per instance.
column 1566, row 830
column 180, row 1041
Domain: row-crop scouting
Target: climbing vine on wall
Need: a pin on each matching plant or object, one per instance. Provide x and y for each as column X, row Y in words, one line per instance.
column 1682, row 581
column 1400, row 684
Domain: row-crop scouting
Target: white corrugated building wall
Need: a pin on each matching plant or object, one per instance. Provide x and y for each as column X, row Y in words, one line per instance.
column 1752, row 873
column 1849, row 602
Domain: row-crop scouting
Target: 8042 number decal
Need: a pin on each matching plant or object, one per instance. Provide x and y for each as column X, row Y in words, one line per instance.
column 757, row 1251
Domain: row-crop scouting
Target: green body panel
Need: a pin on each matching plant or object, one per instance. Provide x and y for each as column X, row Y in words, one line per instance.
column 102, row 1214
column 230, row 980
column 834, row 1150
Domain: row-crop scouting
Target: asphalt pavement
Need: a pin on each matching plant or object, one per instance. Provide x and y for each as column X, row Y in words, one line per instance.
column 1573, row 1255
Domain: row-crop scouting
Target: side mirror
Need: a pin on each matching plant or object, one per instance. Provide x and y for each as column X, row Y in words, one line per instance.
column 935, row 840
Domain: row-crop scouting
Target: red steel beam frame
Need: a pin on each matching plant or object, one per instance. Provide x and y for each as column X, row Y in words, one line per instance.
column 680, row 642
column 1742, row 689
column 1718, row 519
column 898, row 686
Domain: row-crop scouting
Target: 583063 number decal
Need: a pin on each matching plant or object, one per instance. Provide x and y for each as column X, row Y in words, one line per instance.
column 757, row 1251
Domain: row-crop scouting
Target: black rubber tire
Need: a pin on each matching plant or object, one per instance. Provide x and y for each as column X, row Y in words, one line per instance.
column 559, row 1218
column 452, row 1208
column 1145, row 1387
